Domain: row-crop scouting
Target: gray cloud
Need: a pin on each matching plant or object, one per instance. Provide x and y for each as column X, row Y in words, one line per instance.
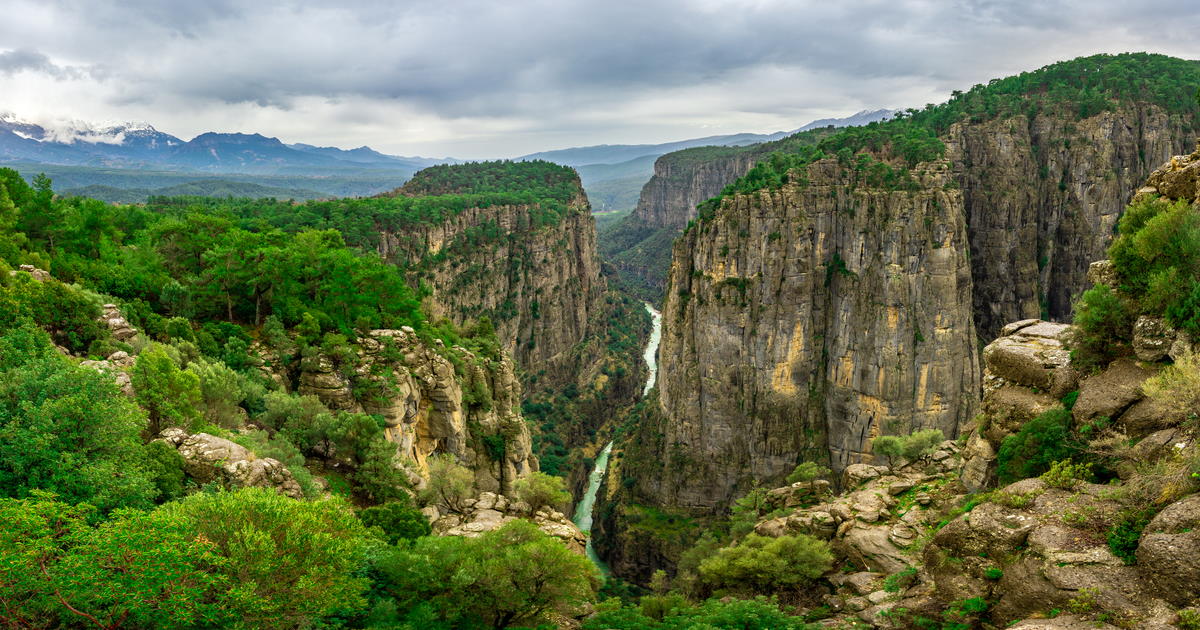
column 546, row 67
column 26, row 60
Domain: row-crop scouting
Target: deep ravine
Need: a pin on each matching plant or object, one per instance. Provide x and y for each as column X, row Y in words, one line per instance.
column 583, row 511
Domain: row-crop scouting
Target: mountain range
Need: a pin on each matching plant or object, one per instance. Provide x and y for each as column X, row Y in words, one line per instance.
column 141, row 146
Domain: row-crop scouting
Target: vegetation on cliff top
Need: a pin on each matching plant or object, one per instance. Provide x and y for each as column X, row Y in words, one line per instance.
column 1079, row 88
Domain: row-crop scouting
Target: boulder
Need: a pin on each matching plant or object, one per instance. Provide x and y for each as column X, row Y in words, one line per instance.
column 1033, row 355
column 1009, row 407
column 978, row 458
column 1102, row 272
column 120, row 327
column 1152, row 338
column 1111, row 392
column 1063, row 622
column 1168, row 555
column 208, row 458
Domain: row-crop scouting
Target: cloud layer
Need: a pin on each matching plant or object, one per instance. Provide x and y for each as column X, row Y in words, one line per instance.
column 479, row 78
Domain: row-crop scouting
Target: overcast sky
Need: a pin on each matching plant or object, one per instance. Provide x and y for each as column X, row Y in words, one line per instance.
column 500, row 78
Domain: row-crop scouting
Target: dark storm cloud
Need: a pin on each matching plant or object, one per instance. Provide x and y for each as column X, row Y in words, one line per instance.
column 564, row 63
column 24, row 60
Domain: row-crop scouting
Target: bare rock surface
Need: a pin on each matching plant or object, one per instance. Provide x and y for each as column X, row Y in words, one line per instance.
column 209, row 458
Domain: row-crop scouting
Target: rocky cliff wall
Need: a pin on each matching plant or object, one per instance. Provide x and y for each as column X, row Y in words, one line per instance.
column 539, row 284
column 801, row 322
column 670, row 198
column 1043, row 195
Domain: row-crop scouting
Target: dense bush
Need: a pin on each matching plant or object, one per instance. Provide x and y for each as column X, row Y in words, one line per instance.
column 67, row 429
column 540, row 490
column 170, row 395
column 398, row 520
column 450, row 483
column 760, row 564
column 912, row 447
column 1103, row 328
column 677, row 613
column 514, row 576
column 1035, row 447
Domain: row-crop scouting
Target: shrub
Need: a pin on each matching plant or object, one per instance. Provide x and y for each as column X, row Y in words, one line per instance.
column 993, row 573
column 760, row 564
column 900, row 580
column 1103, row 326
column 1176, row 389
column 170, row 395
column 398, row 520
column 912, row 447
column 1124, row 535
column 165, row 466
column 450, row 483
column 1030, row 451
column 541, row 490
column 1065, row 474
column 807, row 472
column 220, row 393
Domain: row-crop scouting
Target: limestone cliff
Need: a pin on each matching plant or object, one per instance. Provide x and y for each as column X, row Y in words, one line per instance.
column 803, row 321
column 1043, row 195
column 430, row 406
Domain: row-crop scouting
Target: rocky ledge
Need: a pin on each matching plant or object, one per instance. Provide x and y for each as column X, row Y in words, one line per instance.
column 491, row 511
column 208, row 458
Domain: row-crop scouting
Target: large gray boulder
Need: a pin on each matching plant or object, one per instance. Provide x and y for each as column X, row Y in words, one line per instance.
column 1031, row 353
column 209, row 458
column 1168, row 555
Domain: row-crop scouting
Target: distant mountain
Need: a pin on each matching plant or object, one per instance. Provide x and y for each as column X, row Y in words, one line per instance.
column 613, row 174
column 141, row 146
column 618, row 153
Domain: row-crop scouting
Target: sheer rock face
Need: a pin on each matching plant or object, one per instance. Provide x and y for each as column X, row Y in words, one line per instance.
column 425, row 409
column 800, row 323
column 541, row 286
column 670, row 198
column 1043, row 196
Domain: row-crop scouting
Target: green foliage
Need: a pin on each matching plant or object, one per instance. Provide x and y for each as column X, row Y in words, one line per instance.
column 171, row 396
column 285, row 561
column 1124, row 535
column 514, row 576
column 541, row 490
column 1065, row 474
column 251, row 558
column 1039, row 443
column 165, row 467
column 67, row 312
column 450, row 483
column 220, row 393
column 67, row 429
column 760, row 564
column 993, row 573
column 912, row 447
column 677, row 613
column 889, row 446
column 1103, row 328
column 807, row 472
column 900, row 580
column 398, row 520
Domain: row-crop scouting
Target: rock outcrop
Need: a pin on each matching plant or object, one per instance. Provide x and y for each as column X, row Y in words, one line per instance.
column 491, row 511
column 425, row 403
column 1042, row 196
column 802, row 322
column 208, row 458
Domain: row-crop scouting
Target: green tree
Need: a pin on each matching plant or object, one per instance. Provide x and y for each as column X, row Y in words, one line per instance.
column 540, row 490
column 67, row 429
column 760, row 564
column 398, row 520
column 514, row 576
column 807, row 472
column 450, row 483
column 889, row 446
column 220, row 393
column 170, row 395
column 285, row 562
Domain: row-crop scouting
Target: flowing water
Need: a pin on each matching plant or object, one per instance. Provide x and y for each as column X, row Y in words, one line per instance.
column 583, row 511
